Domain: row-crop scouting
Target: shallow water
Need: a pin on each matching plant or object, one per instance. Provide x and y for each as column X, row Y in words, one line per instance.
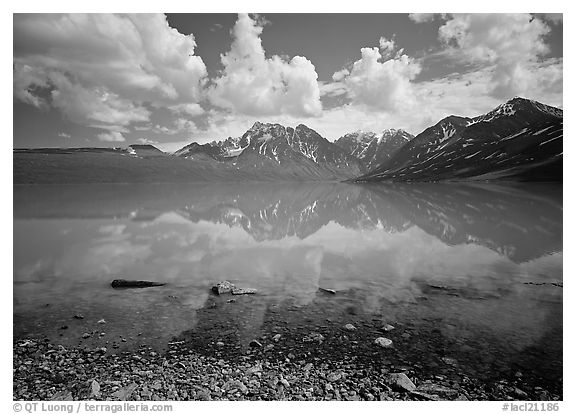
column 476, row 267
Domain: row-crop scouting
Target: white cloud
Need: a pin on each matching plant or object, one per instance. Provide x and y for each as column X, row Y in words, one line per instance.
column 180, row 125
column 112, row 136
column 105, row 68
column 252, row 84
column 146, row 141
column 511, row 42
column 64, row 135
column 421, row 17
column 192, row 109
column 332, row 88
column 381, row 80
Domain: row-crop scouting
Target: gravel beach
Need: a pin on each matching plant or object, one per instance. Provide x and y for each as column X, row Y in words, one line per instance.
column 43, row 371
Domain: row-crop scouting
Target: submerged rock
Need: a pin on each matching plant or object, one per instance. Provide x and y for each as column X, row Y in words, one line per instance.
column 450, row 361
column 228, row 287
column 223, row 287
column 123, row 283
column 243, row 291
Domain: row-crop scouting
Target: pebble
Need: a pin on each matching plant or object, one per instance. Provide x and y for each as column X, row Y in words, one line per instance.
column 95, row 389
column 519, row 393
column 334, row 376
column 349, row 327
column 400, row 382
column 383, row 342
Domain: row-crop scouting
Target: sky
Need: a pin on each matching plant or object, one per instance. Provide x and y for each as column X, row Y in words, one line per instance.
column 168, row 80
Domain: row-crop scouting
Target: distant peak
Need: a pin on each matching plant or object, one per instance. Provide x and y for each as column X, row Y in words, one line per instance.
column 519, row 99
column 394, row 131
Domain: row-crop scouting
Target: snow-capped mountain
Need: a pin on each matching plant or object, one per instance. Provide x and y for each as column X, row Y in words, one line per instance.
column 297, row 153
column 521, row 139
column 374, row 149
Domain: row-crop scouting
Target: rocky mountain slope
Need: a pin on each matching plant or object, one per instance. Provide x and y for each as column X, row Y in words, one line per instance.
column 374, row 149
column 520, row 139
column 275, row 151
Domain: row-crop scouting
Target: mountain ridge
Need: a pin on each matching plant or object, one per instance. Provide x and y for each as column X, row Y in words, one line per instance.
column 514, row 140
column 520, row 139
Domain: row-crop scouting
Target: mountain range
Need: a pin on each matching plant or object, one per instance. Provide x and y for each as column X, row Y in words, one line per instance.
column 518, row 140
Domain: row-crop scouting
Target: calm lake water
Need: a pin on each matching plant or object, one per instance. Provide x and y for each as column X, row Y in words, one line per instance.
column 470, row 275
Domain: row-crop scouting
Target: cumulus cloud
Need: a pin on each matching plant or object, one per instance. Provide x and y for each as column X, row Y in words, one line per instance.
column 180, row 125
column 381, row 79
column 64, row 135
column 192, row 109
column 253, row 84
column 112, row 136
column 146, row 141
column 510, row 42
column 333, row 88
column 105, row 69
column 421, row 17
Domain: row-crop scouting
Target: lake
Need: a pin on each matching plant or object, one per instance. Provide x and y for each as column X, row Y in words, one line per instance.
column 469, row 275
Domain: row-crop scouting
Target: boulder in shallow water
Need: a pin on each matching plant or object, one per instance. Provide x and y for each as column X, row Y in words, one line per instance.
column 123, row 283
column 223, row 287
column 227, row 287
column 243, row 291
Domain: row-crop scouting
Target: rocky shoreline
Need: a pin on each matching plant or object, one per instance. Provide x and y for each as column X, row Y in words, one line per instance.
column 244, row 349
column 44, row 371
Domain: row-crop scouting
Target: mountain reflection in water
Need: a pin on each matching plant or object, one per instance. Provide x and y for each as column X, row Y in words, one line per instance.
column 487, row 259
